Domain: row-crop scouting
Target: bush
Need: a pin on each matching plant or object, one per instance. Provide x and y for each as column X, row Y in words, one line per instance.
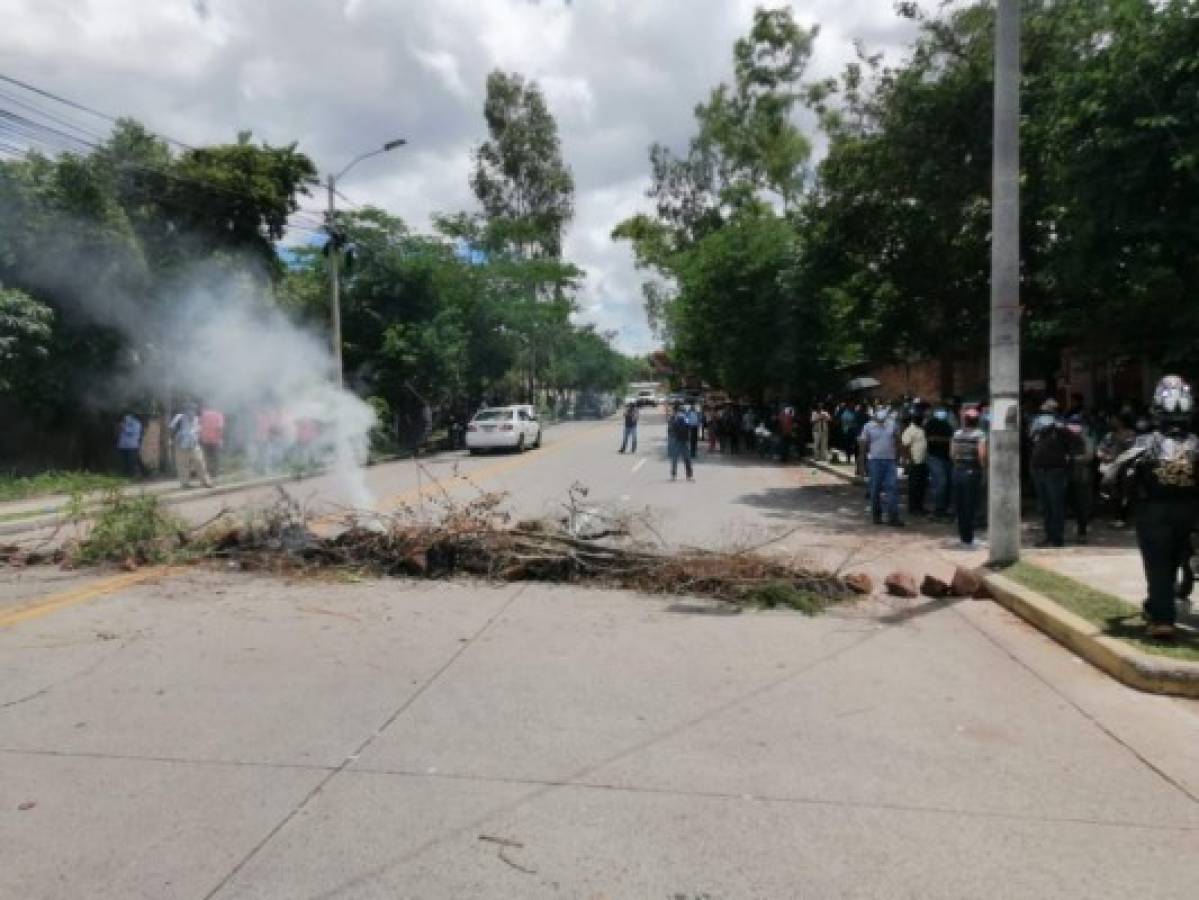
column 127, row 528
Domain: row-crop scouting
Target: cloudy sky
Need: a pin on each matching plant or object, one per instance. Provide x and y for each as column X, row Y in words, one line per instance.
column 341, row 76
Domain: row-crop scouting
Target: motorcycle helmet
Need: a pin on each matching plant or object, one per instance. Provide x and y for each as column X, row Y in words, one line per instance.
column 1172, row 400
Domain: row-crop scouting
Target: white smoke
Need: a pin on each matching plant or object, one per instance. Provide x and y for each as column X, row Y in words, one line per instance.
column 218, row 338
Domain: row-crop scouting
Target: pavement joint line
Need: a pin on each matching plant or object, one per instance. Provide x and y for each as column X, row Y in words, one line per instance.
column 43, row 606
column 1123, row 662
column 775, row 799
column 637, row 468
column 171, row 760
column 1078, row 708
column 370, row 739
column 678, row 728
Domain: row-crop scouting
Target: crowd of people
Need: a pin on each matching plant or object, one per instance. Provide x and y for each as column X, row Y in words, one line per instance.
column 268, row 440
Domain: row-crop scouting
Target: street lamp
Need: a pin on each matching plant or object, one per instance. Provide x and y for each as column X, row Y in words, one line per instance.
column 335, row 250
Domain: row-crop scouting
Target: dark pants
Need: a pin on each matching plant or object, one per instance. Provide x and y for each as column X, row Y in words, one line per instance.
column 939, row 472
column 1051, row 494
column 630, row 434
column 967, row 488
column 1163, row 534
column 1082, row 498
column 131, row 462
column 694, row 446
column 917, row 486
column 884, row 479
column 679, row 450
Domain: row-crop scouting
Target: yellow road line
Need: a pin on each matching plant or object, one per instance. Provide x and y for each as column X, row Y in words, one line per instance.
column 43, row 606
column 463, row 479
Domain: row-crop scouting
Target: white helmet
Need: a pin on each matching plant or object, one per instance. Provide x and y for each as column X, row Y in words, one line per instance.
column 1172, row 399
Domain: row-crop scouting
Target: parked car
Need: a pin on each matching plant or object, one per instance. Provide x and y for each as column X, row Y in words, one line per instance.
column 503, row 427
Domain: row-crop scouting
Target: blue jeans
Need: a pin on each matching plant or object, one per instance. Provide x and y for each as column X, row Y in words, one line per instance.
column 884, row 479
column 679, row 449
column 938, row 475
column 967, row 484
column 630, row 434
column 1051, row 494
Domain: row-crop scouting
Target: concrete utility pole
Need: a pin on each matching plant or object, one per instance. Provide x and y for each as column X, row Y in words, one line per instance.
column 335, row 254
column 1003, row 502
column 335, row 283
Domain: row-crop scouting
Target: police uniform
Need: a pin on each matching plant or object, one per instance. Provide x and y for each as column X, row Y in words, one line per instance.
column 1166, row 485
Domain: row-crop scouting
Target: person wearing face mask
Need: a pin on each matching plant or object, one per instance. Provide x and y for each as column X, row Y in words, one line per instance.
column 882, row 449
column 939, row 433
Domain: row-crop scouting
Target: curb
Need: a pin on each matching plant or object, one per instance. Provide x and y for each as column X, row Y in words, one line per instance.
column 829, row 469
column 1143, row 671
column 173, row 497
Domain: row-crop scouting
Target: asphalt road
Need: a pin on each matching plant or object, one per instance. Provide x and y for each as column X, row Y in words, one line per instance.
column 212, row 734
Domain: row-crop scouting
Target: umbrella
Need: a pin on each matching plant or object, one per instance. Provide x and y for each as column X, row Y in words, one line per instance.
column 863, row 383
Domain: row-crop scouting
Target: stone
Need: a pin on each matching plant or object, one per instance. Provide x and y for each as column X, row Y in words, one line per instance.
column 901, row 584
column 965, row 583
column 860, row 583
column 932, row 586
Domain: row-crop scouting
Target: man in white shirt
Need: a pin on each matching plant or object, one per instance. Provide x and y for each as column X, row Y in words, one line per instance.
column 915, row 451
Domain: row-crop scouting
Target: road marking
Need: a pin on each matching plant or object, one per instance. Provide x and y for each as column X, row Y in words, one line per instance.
column 46, row 605
column 487, row 471
column 43, row 606
column 637, row 468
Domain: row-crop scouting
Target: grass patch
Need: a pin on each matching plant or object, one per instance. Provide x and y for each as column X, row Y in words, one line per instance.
column 784, row 595
column 22, row 487
column 1118, row 618
column 127, row 529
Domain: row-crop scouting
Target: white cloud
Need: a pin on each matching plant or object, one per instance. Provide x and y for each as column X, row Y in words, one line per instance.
column 341, row 77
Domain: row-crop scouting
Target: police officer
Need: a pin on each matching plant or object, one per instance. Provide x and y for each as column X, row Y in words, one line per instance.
column 1166, row 484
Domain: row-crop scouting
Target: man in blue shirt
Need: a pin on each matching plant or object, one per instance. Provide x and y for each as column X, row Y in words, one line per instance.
column 678, row 435
column 693, row 424
column 881, row 444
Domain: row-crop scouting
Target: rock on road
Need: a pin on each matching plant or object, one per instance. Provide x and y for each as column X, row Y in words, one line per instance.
column 216, row 735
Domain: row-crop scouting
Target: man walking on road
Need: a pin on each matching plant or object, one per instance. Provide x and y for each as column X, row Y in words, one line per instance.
column 630, row 429
column 678, row 443
column 692, row 415
column 882, row 444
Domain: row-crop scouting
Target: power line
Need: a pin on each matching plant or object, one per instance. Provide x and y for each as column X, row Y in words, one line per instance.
column 80, row 106
column 51, row 116
column 32, row 134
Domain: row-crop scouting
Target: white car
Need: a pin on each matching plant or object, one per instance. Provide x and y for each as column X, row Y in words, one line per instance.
column 503, row 427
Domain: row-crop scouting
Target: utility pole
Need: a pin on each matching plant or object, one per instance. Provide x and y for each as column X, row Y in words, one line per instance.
column 1003, row 502
column 334, row 281
column 335, row 253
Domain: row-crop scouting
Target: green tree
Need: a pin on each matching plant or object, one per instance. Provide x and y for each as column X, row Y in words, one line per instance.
column 523, row 185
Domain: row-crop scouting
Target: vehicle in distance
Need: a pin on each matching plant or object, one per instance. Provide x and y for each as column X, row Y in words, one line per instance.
column 503, row 428
column 647, row 397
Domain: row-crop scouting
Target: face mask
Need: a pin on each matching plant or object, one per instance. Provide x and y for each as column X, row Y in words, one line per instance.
column 941, row 415
column 880, row 416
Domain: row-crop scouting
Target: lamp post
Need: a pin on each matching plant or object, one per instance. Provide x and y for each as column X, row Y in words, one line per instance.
column 335, row 251
column 1004, row 456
